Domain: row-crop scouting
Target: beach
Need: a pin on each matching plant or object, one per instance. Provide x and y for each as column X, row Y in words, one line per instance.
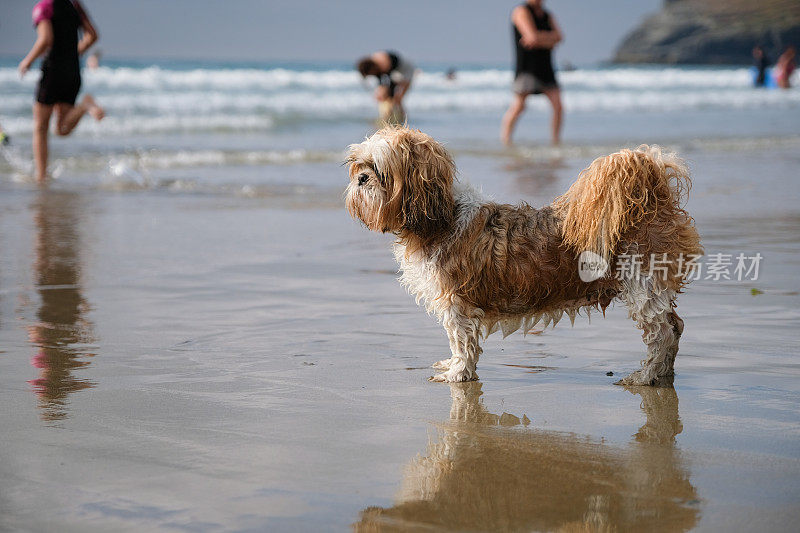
column 194, row 335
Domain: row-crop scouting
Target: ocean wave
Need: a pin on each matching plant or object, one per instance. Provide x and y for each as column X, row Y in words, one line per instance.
column 126, row 124
column 186, row 170
column 160, row 160
column 162, row 101
column 158, row 79
column 218, row 112
column 146, row 162
column 143, row 162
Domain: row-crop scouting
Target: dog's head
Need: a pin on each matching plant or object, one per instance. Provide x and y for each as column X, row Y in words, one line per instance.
column 401, row 181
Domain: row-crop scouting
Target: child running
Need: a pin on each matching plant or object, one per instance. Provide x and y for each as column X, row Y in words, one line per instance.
column 57, row 24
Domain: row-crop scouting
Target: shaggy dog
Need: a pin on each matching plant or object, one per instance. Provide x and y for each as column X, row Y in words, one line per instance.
column 479, row 266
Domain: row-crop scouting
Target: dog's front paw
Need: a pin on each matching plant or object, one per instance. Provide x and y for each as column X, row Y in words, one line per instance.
column 454, row 377
column 635, row 378
column 444, row 364
column 645, row 377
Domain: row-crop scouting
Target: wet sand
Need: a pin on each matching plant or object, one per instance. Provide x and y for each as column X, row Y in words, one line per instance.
column 211, row 362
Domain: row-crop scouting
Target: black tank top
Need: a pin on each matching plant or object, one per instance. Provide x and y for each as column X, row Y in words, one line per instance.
column 394, row 58
column 536, row 61
column 63, row 55
column 385, row 79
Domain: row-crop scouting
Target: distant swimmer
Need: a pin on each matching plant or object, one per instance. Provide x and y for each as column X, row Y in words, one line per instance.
column 57, row 24
column 784, row 68
column 394, row 74
column 535, row 35
column 93, row 61
column 760, row 62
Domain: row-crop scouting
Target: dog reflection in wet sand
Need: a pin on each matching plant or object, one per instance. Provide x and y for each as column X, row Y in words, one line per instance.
column 481, row 476
column 480, row 266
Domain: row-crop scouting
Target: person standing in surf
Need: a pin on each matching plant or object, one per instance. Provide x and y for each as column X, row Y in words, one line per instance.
column 57, row 24
column 784, row 68
column 535, row 35
column 760, row 62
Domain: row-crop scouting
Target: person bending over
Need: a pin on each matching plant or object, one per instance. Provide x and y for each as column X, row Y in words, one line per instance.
column 394, row 75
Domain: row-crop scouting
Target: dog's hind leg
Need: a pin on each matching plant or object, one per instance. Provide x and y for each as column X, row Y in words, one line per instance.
column 463, row 330
column 651, row 307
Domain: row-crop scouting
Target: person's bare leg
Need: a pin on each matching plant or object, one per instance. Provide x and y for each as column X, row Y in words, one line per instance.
column 385, row 106
column 41, row 125
column 381, row 93
column 510, row 118
column 68, row 116
column 554, row 95
column 95, row 110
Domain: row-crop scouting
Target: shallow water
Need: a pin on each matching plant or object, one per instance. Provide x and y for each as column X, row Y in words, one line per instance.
column 195, row 336
column 166, row 123
column 208, row 359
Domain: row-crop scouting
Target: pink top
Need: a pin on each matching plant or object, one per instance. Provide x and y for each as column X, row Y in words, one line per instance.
column 42, row 11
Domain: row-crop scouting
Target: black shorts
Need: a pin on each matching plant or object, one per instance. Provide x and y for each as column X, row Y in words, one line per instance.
column 527, row 83
column 58, row 87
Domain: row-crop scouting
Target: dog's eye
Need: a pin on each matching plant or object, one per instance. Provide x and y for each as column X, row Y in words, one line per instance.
column 362, row 178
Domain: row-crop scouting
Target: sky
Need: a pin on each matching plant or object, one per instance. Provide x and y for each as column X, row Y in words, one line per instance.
column 458, row 32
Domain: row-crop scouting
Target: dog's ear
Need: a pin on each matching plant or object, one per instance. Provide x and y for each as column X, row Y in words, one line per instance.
column 426, row 199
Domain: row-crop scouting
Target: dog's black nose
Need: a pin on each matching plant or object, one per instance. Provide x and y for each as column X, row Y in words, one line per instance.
column 362, row 179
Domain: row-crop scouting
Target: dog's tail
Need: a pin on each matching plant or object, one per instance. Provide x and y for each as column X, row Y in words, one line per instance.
column 635, row 197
